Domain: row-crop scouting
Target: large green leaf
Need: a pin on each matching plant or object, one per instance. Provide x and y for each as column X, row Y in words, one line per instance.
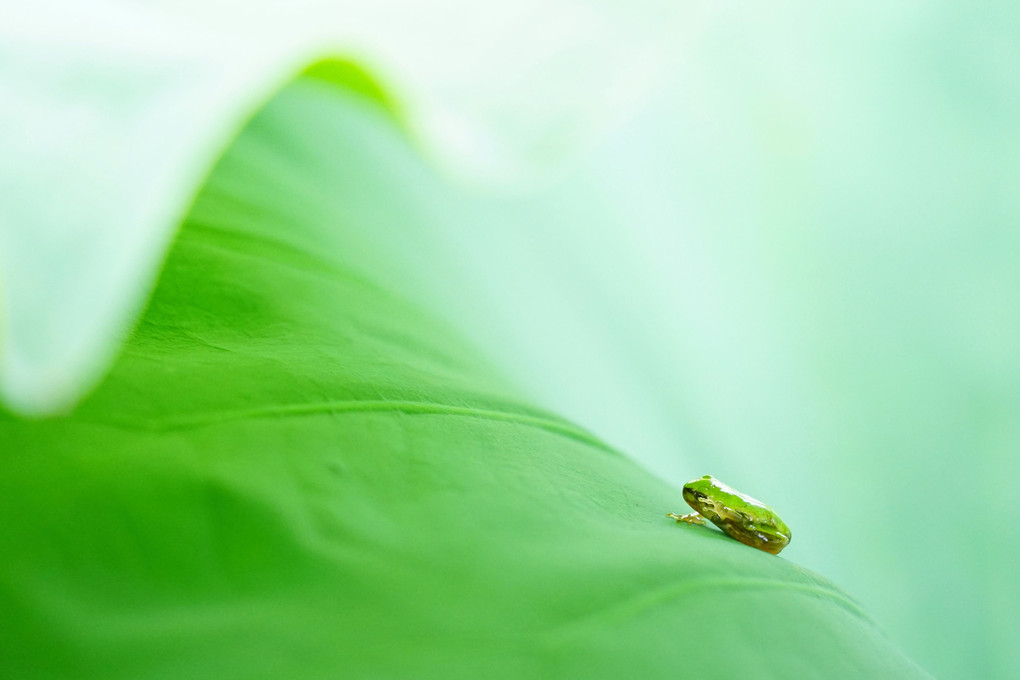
column 292, row 471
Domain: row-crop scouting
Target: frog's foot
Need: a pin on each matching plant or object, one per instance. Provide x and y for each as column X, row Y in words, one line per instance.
column 692, row 518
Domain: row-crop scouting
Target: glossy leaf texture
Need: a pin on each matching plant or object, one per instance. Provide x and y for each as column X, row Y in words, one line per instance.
column 294, row 470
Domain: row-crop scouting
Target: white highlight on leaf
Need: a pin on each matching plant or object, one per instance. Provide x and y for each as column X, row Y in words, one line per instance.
column 112, row 112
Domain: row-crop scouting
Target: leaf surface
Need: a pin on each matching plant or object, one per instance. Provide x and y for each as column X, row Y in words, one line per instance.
column 293, row 471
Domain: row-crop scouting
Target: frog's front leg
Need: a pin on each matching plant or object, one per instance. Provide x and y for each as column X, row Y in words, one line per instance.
column 690, row 518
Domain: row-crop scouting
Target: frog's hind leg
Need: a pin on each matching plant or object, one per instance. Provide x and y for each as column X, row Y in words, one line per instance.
column 691, row 518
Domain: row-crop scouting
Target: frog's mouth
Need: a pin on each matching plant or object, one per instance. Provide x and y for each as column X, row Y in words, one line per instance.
column 695, row 498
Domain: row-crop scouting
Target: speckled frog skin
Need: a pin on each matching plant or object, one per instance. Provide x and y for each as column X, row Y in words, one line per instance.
column 739, row 516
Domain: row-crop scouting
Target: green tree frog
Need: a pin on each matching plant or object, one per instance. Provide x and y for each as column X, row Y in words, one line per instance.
column 739, row 516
